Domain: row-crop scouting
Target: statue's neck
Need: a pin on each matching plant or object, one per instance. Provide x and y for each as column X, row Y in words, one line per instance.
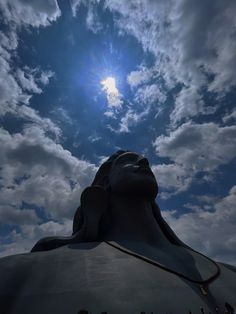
column 132, row 220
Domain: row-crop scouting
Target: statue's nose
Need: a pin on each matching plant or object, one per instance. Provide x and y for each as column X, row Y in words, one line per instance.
column 143, row 162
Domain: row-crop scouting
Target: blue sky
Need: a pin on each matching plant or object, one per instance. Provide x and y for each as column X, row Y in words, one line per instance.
column 171, row 96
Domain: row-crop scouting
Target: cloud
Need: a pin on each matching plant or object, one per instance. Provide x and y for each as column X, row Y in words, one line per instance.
column 114, row 97
column 27, row 82
column 34, row 13
column 22, row 242
column 36, row 170
column 11, row 92
column 140, row 76
column 172, row 179
column 94, row 138
column 32, row 116
column 189, row 103
column 18, row 85
column 30, row 79
column 9, row 41
column 212, row 232
column 92, row 20
column 62, row 115
column 16, row 216
column 193, row 44
column 148, row 90
column 131, row 118
column 75, row 6
column 150, row 94
column 200, row 147
column 192, row 148
column 230, row 117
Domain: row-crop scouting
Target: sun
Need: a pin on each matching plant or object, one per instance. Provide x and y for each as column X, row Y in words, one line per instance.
column 109, row 85
column 112, row 92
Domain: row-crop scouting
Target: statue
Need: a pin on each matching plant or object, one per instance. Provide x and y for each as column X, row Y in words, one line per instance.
column 122, row 257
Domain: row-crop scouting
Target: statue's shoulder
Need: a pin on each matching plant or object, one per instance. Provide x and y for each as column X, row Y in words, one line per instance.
column 27, row 262
column 228, row 266
column 13, row 261
column 17, row 270
column 13, row 269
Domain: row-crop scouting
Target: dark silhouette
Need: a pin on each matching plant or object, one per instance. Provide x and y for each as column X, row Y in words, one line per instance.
column 122, row 256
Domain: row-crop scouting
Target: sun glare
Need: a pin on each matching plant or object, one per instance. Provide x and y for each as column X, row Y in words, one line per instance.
column 112, row 92
column 109, row 85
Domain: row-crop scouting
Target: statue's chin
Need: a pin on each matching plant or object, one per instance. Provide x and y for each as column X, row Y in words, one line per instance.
column 146, row 189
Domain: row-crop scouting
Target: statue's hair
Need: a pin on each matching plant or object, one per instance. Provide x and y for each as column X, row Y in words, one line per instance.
column 101, row 179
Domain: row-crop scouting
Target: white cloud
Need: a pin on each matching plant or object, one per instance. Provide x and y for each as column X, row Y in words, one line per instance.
column 211, row 232
column 18, row 85
column 192, row 148
column 27, row 81
column 62, row 115
column 172, row 179
column 12, row 215
column 208, row 199
column 38, row 171
column 191, row 41
column 150, row 94
column 230, row 117
column 200, row 147
column 30, row 79
column 92, row 20
column 130, row 119
column 8, row 41
column 114, row 97
column 94, row 138
column 189, row 103
column 34, row 13
column 140, row 76
column 45, row 76
column 11, row 92
column 75, row 6
column 23, row 241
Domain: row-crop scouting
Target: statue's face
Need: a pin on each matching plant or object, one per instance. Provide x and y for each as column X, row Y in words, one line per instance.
column 131, row 175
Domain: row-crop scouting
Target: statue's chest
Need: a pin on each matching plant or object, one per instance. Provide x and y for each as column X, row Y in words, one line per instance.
column 102, row 279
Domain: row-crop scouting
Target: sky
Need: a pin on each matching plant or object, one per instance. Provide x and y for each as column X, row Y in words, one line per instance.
column 81, row 79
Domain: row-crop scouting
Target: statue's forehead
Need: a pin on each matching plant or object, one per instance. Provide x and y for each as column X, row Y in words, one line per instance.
column 127, row 156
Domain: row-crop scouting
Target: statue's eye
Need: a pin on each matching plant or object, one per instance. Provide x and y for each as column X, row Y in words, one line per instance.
column 128, row 165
